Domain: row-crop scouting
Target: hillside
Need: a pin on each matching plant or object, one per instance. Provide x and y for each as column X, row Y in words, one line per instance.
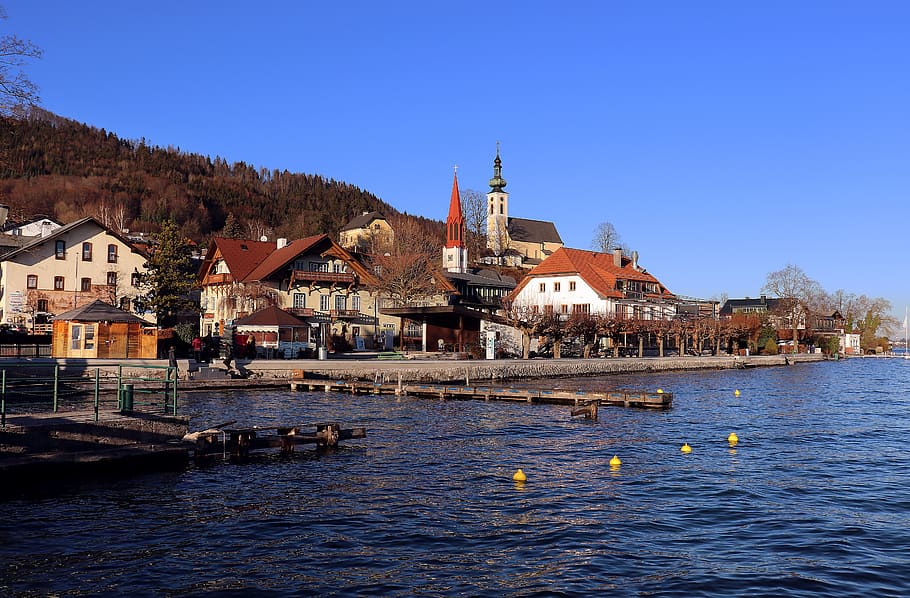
column 55, row 166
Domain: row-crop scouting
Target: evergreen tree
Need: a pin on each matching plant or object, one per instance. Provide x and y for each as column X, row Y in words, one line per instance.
column 166, row 285
column 232, row 228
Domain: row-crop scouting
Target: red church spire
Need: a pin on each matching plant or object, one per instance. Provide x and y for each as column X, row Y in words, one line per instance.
column 455, row 221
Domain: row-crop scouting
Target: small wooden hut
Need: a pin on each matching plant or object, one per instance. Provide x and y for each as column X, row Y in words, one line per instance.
column 99, row 329
column 276, row 332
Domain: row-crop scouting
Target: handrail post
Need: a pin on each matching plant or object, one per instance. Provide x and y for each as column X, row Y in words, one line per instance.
column 97, row 392
column 56, row 384
column 3, row 400
column 119, row 387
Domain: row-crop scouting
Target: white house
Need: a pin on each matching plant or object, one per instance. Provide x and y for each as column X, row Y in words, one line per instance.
column 70, row 267
column 579, row 281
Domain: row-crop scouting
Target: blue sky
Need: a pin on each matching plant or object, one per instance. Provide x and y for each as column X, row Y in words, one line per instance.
column 723, row 140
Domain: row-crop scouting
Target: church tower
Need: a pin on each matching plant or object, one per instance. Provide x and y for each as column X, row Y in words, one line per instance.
column 455, row 254
column 497, row 210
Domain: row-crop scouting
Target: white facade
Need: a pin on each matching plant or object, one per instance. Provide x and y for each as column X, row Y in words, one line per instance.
column 37, row 228
column 74, row 266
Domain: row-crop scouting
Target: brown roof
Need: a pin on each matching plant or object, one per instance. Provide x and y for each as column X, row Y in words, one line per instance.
column 363, row 220
column 99, row 311
column 271, row 316
column 533, row 231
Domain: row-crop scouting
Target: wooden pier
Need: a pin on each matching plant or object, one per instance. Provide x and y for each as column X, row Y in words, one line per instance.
column 232, row 442
column 621, row 398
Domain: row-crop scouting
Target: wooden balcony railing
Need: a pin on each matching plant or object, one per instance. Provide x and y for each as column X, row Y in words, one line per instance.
column 218, row 279
column 344, row 313
column 307, row 276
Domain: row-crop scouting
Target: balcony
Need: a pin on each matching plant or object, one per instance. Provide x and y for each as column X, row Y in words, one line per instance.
column 326, row 277
column 218, row 279
column 301, row 312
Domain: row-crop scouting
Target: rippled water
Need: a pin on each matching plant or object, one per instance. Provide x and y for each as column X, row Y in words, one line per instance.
column 814, row 500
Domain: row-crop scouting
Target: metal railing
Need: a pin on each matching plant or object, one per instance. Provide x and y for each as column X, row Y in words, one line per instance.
column 33, row 388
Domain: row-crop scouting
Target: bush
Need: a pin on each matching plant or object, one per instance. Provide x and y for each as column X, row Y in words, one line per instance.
column 770, row 347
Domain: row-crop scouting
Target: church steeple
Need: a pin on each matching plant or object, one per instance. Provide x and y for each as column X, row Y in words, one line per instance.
column 455, row 254
column 455, row 221
column 497, row 183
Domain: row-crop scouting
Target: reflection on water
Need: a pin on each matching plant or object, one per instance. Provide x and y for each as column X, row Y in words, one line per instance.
column 812, row 500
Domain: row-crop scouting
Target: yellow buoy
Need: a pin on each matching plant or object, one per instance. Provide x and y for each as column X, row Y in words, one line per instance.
column 519, row 476
column 615, row 462
column 686, row 448
column 736, row 392
column 660, row 391
column 732, row 438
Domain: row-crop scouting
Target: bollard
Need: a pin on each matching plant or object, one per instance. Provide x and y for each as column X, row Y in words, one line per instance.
column 126, row 405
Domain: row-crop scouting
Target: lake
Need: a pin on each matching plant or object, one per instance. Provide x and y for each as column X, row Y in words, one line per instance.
column 813, row 500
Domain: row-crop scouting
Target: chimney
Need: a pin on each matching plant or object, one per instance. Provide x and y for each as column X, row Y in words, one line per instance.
column 617, row 257
column 4, row 212
column 282, row 242
column 635, row 260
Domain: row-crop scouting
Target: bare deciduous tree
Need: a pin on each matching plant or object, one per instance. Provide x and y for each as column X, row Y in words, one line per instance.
column 16, row 89
column 605, row 238
column 474, row 208
column 797, row 292
column 408, row 272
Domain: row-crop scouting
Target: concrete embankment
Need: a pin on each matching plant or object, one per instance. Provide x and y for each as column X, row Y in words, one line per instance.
column 466, row 371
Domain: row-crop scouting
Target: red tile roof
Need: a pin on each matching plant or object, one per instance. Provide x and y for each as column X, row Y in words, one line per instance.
column 282, row 257
column 598, row 270
column 242, row 255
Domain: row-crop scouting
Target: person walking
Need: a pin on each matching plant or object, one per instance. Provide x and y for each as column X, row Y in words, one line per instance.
column 197, row 349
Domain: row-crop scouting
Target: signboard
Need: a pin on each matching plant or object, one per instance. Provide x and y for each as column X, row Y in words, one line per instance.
column 491, row 344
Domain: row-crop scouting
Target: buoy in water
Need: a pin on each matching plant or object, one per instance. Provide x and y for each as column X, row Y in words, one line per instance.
column 660, row 391
column 736, row 392
column 732, row 438
column 686, row 448
column 615, row 462
column 519, row 476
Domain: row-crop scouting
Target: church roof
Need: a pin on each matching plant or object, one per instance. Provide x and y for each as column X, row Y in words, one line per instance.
column 533, row 231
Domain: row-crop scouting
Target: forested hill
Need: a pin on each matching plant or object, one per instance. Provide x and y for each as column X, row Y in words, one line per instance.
column 57, row 167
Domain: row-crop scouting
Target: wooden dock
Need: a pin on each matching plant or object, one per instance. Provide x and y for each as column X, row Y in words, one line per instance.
column 621, row 398
column 239, row 442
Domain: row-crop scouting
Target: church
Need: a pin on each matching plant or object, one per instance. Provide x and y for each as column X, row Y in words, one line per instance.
column 515, row 241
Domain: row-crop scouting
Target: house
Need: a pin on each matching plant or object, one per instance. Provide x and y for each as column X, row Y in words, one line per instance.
column 368, row 233
column 39, row 226
column 313, row 278
column 70, row 267
column 579, row 281
column 100, row 330
column 515, row 241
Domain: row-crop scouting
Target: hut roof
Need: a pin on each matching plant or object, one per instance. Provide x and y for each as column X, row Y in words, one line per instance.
column 99, row 311
column 271, row 316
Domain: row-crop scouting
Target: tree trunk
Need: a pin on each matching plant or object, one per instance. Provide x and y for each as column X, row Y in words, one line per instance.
column 525, row 345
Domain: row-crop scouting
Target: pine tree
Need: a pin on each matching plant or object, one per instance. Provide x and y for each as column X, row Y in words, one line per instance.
column 232, row 228
column 166, row 285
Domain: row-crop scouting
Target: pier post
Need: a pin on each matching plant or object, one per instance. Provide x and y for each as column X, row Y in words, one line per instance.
column 56, row 384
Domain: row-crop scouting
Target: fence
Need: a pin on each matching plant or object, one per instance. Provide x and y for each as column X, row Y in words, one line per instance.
column 35, row 388
column 25, row 349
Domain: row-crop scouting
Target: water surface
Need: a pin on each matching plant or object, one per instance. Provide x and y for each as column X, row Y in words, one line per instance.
column 812, row 501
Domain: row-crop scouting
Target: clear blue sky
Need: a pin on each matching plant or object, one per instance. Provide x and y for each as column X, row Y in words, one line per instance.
column 723, row 140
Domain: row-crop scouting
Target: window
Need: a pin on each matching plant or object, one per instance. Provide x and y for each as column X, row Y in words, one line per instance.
column 32, row 281
column 58, row 283
column 60, row 250
column 581, row 308
column 548, row 310
column 324, row 303
column 111, row 279
column 319, row 266
column 112, row 254
column 134, row 279
column 299, row 300
column 125, row 303
column 337, row 267
column 85, row 284
column 543, row 287
column 355, row 303
column 340, row 302
column 89, row 336
column 571, row 285
column 86, row 252
column 564, row 308
column 556, row 287
column 41, row 304
column 76, row 337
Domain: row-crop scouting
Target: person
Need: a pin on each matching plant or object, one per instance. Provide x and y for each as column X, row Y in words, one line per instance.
column 172, row 357
column 251, row 347
column 197, row 349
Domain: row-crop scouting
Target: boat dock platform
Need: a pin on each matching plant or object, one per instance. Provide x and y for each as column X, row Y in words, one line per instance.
column 234, row 442
column 620, row 398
